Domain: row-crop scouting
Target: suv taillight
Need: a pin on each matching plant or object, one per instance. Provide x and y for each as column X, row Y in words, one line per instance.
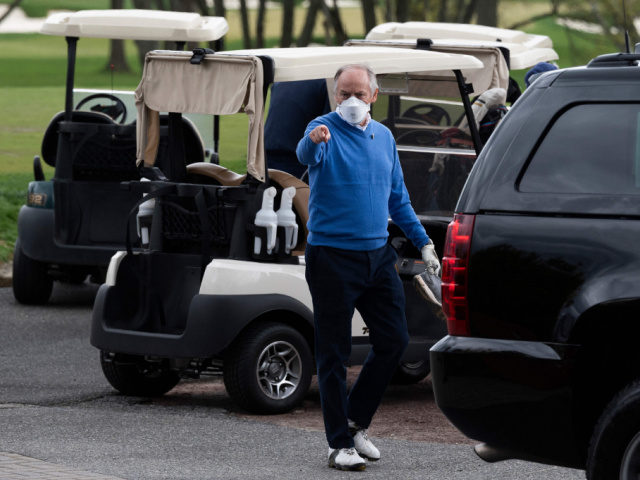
column 455, row 271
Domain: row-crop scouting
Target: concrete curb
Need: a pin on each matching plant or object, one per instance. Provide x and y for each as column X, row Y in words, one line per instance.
column 6, row 274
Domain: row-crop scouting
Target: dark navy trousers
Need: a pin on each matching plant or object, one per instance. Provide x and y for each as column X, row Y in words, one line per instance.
column 339, row 281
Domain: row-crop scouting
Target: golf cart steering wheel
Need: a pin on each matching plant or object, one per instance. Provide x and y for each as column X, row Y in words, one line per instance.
column 429, row 113
column 418, row 138
column 119, row 109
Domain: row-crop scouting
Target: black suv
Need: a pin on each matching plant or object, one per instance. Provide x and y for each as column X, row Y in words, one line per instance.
column 541, row 279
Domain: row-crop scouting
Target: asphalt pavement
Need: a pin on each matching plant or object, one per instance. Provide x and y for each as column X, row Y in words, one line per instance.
column 59, row 417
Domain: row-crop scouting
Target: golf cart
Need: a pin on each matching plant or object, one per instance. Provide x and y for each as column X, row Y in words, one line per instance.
column 221, row 286
column 72, row 224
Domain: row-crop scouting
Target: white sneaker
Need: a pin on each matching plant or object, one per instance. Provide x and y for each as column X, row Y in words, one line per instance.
column 346, row 459
column 363, row 445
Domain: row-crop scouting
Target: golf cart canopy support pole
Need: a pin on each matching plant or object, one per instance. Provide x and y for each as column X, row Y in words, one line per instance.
column 473, row 127
column 216, row 134
column 72, row 43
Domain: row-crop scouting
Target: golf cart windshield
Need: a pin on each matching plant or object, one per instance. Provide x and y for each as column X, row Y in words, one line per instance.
column 231, row 82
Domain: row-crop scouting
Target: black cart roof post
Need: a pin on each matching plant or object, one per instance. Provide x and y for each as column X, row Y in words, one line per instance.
column 72, row 43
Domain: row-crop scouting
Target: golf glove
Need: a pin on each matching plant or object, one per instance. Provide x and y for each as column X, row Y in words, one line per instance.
column 430, row 258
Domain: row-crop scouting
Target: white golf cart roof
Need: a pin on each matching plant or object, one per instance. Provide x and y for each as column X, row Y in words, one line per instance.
column 136, row 25
column 462, row 31
column 322, row 62
column 525, row 50
column 230, row 82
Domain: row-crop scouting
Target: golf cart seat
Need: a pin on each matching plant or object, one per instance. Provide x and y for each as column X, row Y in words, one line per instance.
column 106, row 151
column 50, row 140
column 192, row 143
column 223, row 176
column 219, row 174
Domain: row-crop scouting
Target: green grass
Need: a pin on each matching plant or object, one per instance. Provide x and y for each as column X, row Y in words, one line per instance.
column 32, row 60
column 26, row 112
column 12, row 196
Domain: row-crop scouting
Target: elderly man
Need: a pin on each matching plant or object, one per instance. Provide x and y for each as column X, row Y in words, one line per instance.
column 356, row 184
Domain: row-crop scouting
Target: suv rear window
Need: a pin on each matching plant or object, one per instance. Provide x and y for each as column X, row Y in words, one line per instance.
column 590, row 148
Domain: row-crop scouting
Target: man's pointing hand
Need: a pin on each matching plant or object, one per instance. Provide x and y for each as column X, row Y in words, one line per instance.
column 320, row 134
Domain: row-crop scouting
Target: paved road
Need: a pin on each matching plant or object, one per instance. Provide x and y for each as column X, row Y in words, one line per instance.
column 60, row 419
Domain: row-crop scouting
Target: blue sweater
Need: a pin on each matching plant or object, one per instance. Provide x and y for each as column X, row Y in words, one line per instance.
column 356, row 184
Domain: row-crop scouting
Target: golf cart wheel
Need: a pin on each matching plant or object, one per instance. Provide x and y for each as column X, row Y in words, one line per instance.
column 268, row 368
column 408, row 373
column 614, row 451
column 133, row 375
column 31, row 283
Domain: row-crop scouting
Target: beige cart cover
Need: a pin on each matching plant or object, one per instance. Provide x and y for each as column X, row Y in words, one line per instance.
column 219, row 85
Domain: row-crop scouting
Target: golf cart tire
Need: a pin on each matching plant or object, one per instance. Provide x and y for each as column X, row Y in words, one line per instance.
column 31, row 283
column 409, row 373
column 247, row 383
column 127, row 376
column 615, row 443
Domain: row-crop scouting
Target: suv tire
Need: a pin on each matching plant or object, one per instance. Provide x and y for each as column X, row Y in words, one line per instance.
column 614, row 451
column 268, row 368
column 132, row 375
column 31, row 283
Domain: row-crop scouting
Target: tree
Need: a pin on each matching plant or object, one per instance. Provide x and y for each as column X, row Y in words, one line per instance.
column 333, row 18
column 488, row 13
column 310, row 22
column 244, row 17
column 368, row 14
column 287, row 23
column 117, row 59
column 402, row 10
column 262, row 7
column 144, row 45
column 218, row 8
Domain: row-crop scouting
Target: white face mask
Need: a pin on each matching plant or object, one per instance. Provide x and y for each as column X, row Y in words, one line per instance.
column 353, row 110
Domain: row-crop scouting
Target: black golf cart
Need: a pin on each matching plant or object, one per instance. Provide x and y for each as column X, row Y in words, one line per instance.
column 72, row 224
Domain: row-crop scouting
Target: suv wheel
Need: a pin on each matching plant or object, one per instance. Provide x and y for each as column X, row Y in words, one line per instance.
column 133, row 375
column 31, row 283
column 614, row 451
column 268, row 368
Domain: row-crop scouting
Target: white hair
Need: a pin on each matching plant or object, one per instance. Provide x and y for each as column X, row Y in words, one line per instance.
column 373, row 83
